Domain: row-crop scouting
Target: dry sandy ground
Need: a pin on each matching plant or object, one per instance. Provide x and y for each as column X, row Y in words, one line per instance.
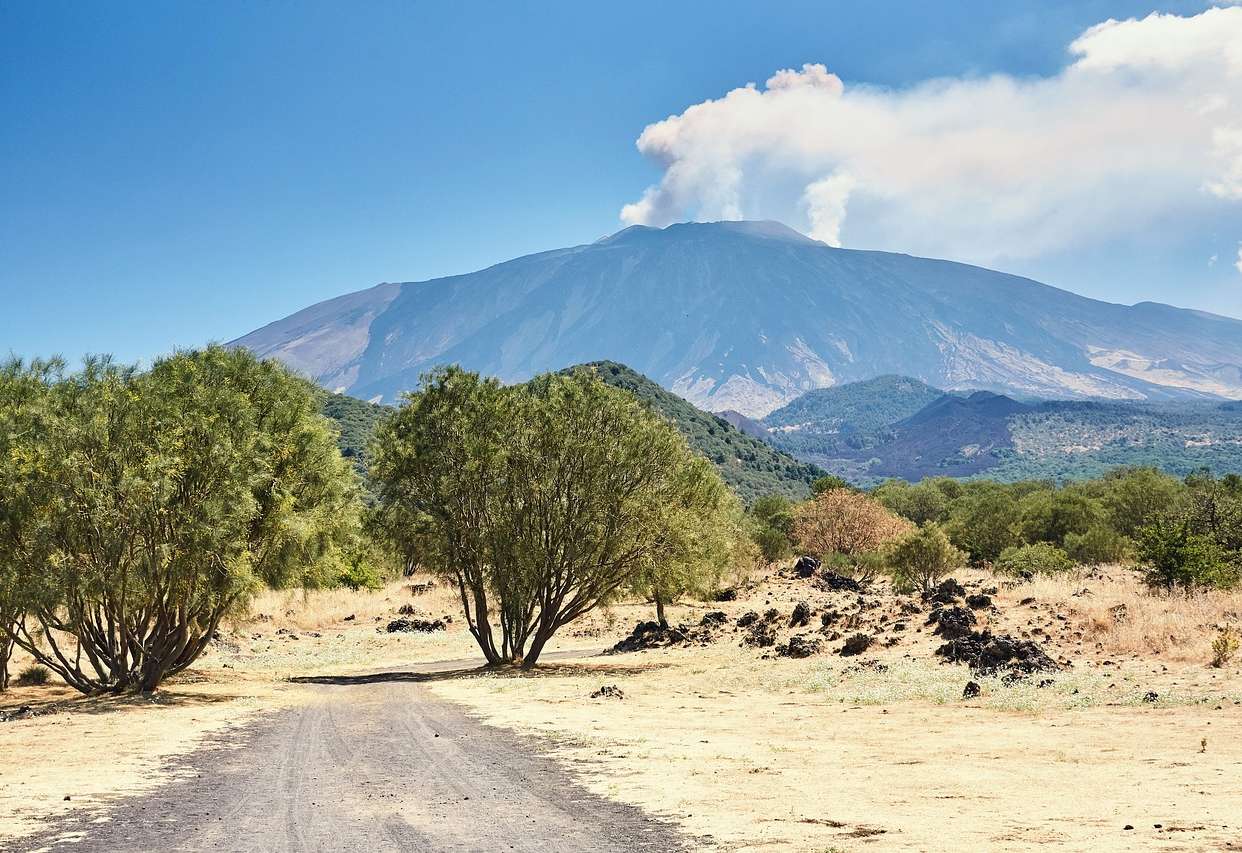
column 826, row 753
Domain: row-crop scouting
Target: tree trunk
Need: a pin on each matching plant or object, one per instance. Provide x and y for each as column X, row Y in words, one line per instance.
column 660, row 617
column 6, row 652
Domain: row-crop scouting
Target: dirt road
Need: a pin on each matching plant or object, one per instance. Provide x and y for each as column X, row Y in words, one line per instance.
column 373, row 763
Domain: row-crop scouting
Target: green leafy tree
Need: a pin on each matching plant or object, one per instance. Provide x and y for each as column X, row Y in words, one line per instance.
column 540, row 502
column 163, row 500
column 1171, row 554
column 922, row 556
column 1051, row 515
column 917, row 502
column 772, row 526
column 982, row 521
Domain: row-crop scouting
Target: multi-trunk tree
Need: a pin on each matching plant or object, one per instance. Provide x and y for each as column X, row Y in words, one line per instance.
column 145, row 507
column 541, row 501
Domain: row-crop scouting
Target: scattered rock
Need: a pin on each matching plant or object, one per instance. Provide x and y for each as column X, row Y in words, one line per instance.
column 833, row 581
column 350, row 618
column 421, row 588
column 715, row 618
column 978, row 602
column 421, row 626
column 828, row 617
column 729, row 594
column 608, row 691
column 747, row 619
column 806, row 567
column 856, row 645
column 1120, row 614
column 801, row 615
column 1151, row 696
column 799, row 646
column 948, row 591
column 988, row 654
column 971, row 690
column 406, row 610
column 952, row 622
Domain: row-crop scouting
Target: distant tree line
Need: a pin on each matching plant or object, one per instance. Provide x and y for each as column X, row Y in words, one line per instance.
column 1178, row 532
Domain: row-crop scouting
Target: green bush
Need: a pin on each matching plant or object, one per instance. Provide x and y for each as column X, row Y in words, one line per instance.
column 922, row 556
column 1099, row 544
column 773, row 544
column 1039, row 558
column 33, row 676
column 1171, row 554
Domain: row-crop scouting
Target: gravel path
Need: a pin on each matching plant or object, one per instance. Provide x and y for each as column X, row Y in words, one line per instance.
column 375, row 763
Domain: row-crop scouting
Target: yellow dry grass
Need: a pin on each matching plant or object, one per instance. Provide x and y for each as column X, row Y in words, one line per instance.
column 1117, row 611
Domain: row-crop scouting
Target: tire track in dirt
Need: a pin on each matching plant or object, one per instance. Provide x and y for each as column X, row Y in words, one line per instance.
column 374, row 763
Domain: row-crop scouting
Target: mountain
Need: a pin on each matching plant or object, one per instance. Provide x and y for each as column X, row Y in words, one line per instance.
column 750, row 315
column 739, row 421
column 749, row 465
column 846, row 412
column 995, row 436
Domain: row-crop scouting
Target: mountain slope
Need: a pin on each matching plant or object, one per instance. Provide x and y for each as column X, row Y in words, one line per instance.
column 994, row 436
column 748, row 316
column 749, row 465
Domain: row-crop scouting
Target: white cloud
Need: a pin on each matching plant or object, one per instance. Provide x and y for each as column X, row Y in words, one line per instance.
column 1142, row 128
column 1239, row 263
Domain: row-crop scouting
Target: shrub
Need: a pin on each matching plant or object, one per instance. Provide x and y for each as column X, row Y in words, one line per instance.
column 1099, row 544
column 773, row 544
column 918, row 502
column 33, row 676
column 922, row 556
column 1224, row 647
column 1039, row 558
column 1172, row 554
column 846, row 522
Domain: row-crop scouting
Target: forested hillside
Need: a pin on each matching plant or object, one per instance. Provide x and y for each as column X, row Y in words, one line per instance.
column 749, row 465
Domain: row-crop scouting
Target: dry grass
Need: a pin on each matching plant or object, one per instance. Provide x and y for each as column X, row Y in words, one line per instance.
column 1119, row 615
column 317, row 609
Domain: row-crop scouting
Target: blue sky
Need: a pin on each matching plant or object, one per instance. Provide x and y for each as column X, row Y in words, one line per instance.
column 174, row 173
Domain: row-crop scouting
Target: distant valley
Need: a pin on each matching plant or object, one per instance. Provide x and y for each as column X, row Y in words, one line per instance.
column 895, row 426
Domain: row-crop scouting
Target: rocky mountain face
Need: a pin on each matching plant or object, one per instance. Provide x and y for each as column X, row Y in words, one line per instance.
column 747, row 316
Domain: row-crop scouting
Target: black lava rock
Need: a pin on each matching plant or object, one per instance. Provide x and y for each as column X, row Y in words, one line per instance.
column 856, row 645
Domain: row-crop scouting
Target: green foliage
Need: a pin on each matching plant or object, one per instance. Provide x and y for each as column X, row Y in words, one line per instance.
column 33, row 676
column 750, row 466
column 355, row 422
column 1098, row 544
column 1171, row 554
column 922, row 556
column 863, row 566
column 1037, row 558
column 1051, row 515
column 827, row 483
column 771, row 526
column 919, row 502
column 144, row 507
column 982, row 520
column 542, row 501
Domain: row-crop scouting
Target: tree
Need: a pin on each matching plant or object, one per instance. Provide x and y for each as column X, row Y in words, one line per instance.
column 1172, row 554
column 923, row 555
column 23, row 397
column 165, row 499
column 701, row 545
column 1050, row 516
column 828, row 482
column 982, row 521
column 772, row 525
column 540, row 502
column 917, row 502
column 846, row 522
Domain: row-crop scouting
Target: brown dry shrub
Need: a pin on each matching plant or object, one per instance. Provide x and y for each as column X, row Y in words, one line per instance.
column 845, row 522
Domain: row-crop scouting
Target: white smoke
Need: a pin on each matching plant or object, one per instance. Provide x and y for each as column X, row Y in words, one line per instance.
column 1143, row 127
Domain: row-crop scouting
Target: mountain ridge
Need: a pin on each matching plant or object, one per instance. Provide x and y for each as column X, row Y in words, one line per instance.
column 750, row 315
